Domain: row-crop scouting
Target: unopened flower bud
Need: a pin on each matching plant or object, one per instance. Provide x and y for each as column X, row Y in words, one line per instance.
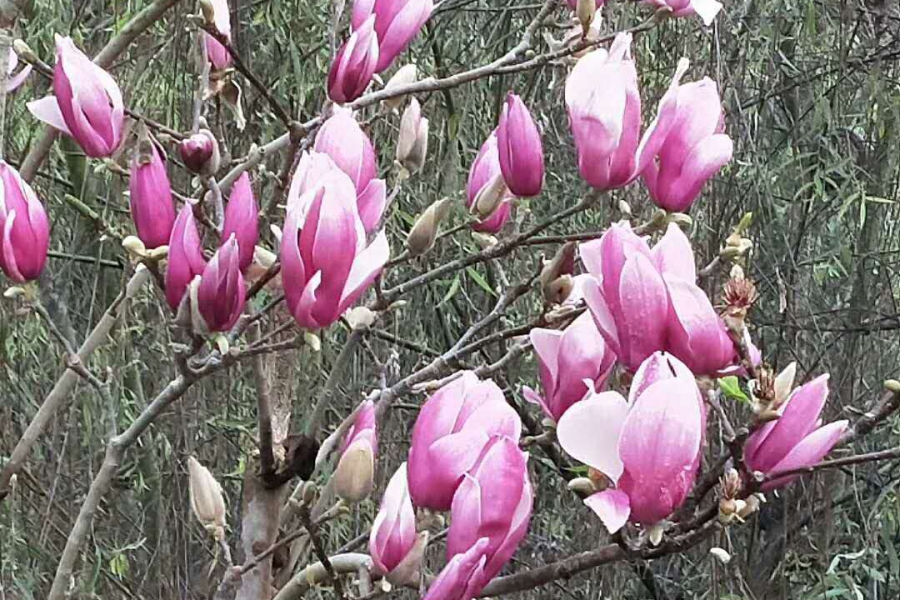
column 556, row 277
column 403, row 77
column 490, row 197
column 206, row 498
column 412, row 146
column 484, row 240
column 584, row 12
column 24, row 51
column 731, row 483
column 721, row 555
column 200, row 153
column 892, row 385
column 727, row 510
column 751, row 505
column 354, row 477
column 134, row 245
column 208, row 11
column 424, row 231
column 582, row 485
column 625, row 208
column 360, row 318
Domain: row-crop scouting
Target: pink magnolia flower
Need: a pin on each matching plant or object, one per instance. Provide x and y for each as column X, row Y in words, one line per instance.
column 355, row 472
column 485, row 169
column 14, row 81
column 697, row 335
column 347, row 144
column 354, row 64
column 216, row 53
column 648, row 446
column 628, row 300
column 397, row 22
column 569, row 360
column 395, row 548
column 520, row 149
column 605, row 114
column 87, row 105
column 242, row 219
column 685, row 145
column 705, row 9
column 325, row 262
column 24, row 228
column 796, row 439
column 200, row 152
column 461, row 578
column 186, row 259
column 493, row 501
column 453, row 426
column 222, row 292
column 152, row 207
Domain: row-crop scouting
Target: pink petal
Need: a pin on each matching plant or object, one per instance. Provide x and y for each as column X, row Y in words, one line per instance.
column 47, row 110
column 366, row 267
column 590, row 430
column 371, row 203
column 612, row 506
column 644, row 311
column 808, row 452
column 673, row 255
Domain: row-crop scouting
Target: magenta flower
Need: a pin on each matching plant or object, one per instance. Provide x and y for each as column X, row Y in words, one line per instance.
column 796, row 439
column 483, row 171
column 222, row 292
column 685, row 145
column 393, row 544
column 354, row 476
column 697, row 335
column 461, row 578
column 200, row 152
column 649, row 446
column 605, row 114
column 520, row 149
column 354, row 64
column 186, row 259
column 453, row 426
column 629, row 302
column 87, row 105
column 14, row 81
column 217, row 54
column 24, row 228
column 705, row 9
column 152, row 207
column 568, row 359
column 397, row 22
column 493, row 501
column 325, row 262
column 346, row 143
column 242, row 219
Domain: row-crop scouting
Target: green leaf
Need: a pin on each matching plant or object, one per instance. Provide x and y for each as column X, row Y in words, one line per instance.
column 732, row 389
column 454, row 287
column 480, row 280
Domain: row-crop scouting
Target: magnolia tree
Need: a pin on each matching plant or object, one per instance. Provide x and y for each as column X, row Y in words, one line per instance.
column 634, row 356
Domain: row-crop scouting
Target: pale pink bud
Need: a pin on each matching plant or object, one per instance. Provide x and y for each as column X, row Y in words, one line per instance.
column 494, row 501
column 354, row 476
column 152, row 207
column 354, row 64
column 87, row 104
column 397, row 22
column 569, row 360
column 325, row 262
column 206, row 498
column 454, row 424
column 795, row 440
column 412, row 145
column 605, row 114
column 648, row 448
column 200, row 152
column 520, row 149
column 242, row 219
column 186, row 259
column 483, row 173
column 685, row 146
column 395, row 548
column 24, row 228
column 462, row 577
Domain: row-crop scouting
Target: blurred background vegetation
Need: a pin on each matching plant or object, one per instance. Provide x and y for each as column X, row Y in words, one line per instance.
column 811, row 90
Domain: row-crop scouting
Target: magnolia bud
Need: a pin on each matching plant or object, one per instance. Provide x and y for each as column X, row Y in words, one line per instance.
column 490, row 196
column 751, row 505
column 206, row 498
column 584, row 11
column 24, row 51
column 208, row 11
column 354, row 477
column 412, row 146
column 582, row 485
column 403, row 77
column 731, row 483
column 721, row 555
column 360, row 318
column 424, row 231
column 200, row 152
column 555, row 277
column 727, row 510
column 892, row 385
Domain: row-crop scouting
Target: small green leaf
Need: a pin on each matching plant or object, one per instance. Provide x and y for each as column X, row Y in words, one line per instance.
column 454, row 287
column 732, row 389
column 480, row 280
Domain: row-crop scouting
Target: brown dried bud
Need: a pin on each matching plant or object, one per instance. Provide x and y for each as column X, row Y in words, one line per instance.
column 354, row 477
column 206, row 498
column 402, row 78
column 584, row 12
column 562, row 263
column 764, row 391
column 731, row 484
column 727, row 510
column 424, row 231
